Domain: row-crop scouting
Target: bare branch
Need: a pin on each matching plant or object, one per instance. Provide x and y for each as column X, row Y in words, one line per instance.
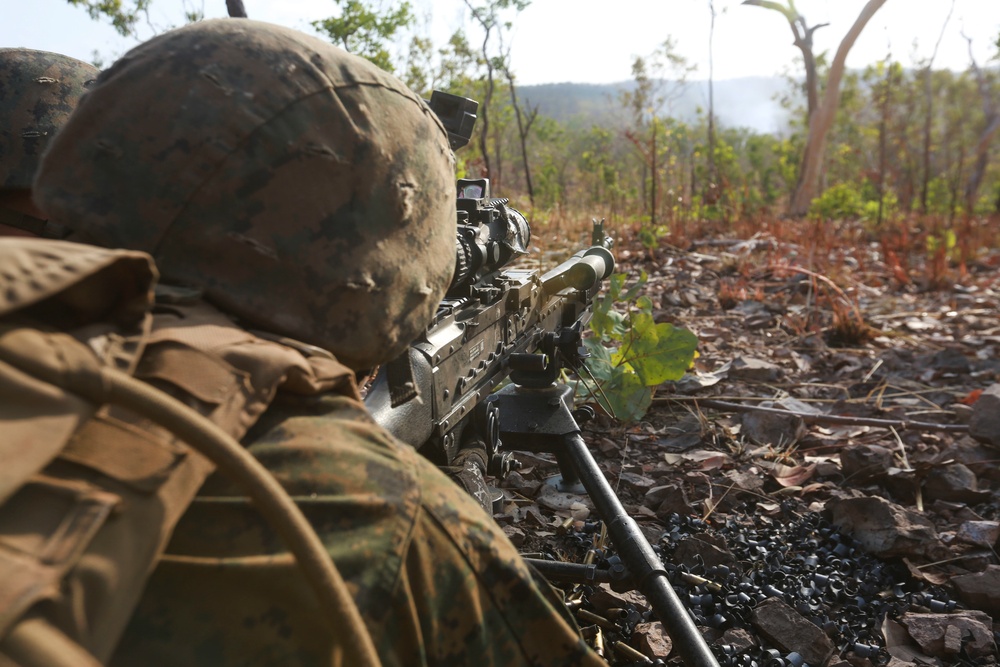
column 810, row 31
column 821, row 419
column 788, row 12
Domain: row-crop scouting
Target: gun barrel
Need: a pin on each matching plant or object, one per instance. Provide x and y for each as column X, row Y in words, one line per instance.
column 582, row 271
column 647, row 570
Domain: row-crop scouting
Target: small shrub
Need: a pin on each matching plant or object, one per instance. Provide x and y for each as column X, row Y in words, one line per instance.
column 630, row 353
column 890, row 209
column 840, row 202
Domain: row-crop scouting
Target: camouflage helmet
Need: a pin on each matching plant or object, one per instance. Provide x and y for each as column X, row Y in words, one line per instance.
column 306, row 191
column 38, row 90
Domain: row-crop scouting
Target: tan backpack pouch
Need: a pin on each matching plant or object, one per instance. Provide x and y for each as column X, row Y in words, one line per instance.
column 102, row 295
column 36, row 420
column 44, row 528
column 144, row 478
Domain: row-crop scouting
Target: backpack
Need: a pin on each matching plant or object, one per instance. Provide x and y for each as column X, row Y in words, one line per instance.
column 92, row 482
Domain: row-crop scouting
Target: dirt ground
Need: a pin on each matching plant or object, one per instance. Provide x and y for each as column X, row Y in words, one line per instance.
column 822, row 436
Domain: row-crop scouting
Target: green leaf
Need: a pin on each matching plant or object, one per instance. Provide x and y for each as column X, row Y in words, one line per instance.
column 600, row 363
column 602, row 306
column 123, row 18
column 615, row 285
column 659, row 352
column 646, row 354
column 629, row 398
column 623, row 395
column 366, row 31
column 633, row 291
column 606, row 322
column 644, row 304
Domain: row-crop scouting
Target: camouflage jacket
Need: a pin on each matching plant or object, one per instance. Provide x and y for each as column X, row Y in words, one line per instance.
column 436, row 581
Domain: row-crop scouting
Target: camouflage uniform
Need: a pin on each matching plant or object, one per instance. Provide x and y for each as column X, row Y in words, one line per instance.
column 307, row 194
column 38, row 90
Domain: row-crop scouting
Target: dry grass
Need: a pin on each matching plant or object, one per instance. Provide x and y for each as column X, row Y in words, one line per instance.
column 898, row 254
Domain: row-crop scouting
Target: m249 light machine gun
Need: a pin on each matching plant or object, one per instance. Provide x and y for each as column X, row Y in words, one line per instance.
column 498, row 323
column 495, row 322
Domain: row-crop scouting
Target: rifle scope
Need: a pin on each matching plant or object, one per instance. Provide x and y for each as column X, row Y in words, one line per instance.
column 490, row 234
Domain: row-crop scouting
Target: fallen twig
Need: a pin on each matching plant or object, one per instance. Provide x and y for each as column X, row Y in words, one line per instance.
column 819, row 419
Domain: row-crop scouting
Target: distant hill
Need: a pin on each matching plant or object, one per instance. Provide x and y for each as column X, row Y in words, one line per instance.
column 746, row 102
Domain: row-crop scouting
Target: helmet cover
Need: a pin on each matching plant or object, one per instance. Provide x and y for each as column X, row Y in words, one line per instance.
column 302, row 188
column 38, row 90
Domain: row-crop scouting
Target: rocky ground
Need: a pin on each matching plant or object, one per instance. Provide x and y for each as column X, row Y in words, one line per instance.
column 823, row 485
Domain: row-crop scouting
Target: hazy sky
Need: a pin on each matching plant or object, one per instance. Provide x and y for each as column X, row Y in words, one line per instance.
column 582, row 40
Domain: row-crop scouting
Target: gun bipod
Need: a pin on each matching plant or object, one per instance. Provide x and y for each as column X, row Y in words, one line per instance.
column 540, row 419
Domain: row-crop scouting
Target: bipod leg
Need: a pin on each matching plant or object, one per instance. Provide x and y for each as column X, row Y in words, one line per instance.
column 567, row 481
column 540, row 419
column 638, row 556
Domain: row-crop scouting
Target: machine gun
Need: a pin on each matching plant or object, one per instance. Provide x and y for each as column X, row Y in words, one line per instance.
column 499, row 323
column 494, row 323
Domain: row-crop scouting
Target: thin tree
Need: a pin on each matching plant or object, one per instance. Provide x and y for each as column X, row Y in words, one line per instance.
column 525, row 117
column 712, row 176
column 488, row 18
column 646, row 101
column 366, row 31
column 884, row 96
column 123, row 17
column 991, row 124
column 929, row 113
column 821, row 111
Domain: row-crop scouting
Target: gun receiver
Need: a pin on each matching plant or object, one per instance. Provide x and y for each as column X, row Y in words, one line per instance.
column 493, row 322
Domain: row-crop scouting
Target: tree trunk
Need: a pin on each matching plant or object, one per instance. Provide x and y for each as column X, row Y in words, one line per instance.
column 822, row 118
column 484, row 114
column 484, row 107
column 653, row 177
column 883, row 130
column 907, row 173
column 991, row 112
column 711, row 100
column 498, row 185
column 929, row 115
column 982, row 153
column 523, row 127
column 803, row 39
column 957, row 180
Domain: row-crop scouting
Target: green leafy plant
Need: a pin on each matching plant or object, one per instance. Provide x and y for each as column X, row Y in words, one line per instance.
column 631, row 353
column 650, row 236
column 943, row 241
column 889, row 213
column 367, row 30
column 942, row 247
column 839, row 202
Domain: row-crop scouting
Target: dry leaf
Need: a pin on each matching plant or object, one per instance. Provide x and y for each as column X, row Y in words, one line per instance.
column 792, row 475
column 924, row 575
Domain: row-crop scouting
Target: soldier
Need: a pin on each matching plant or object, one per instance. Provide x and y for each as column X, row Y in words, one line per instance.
column 299, row 204
column 38, row 90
